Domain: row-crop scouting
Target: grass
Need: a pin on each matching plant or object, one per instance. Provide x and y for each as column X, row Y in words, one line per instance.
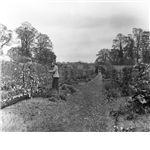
column 85, row 111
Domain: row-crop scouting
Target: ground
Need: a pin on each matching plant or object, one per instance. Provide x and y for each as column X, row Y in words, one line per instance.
column 84, row 111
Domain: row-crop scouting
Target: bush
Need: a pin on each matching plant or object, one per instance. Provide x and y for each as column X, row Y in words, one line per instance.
column 141, row 84
column 34, row 79
column 111, row 91
column 13, row 100
column 136, row 83
column 68, row 88
column 126, row 81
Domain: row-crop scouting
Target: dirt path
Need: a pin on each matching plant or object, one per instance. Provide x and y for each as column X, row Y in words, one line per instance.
column 86, row 110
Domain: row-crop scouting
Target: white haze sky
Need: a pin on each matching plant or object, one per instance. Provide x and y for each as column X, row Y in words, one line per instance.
column 77, row 29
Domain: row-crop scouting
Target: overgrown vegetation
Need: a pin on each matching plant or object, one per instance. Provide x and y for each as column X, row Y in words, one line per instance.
column 36, row 82
column 27, row 74
column 126, row 73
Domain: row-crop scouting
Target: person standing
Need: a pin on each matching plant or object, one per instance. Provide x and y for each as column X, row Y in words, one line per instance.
column 55, row 81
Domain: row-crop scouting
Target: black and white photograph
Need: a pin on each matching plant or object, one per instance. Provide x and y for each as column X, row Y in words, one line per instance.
column 74, row 66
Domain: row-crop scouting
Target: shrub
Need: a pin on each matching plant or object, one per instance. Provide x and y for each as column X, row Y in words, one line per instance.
column 68, row 88
column 126, row 81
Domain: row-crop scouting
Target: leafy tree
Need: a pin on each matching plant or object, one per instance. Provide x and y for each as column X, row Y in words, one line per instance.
column 137, row 35
column 142, row 45
column 103, row 56
column 26, row 34
column 145, row 46
column 129, row 50
column 5, row 37
column 118, row 45
column 43, row 53
column 34, row 47
column 13, row 53
column 114, row 56
column 23, row 54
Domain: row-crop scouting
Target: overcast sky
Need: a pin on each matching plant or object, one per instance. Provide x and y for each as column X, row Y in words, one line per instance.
column 77, row 29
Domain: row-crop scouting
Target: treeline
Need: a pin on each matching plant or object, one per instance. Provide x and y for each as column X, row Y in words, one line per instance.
column 31, row 44
column 125, row 69
column 29, row 49
column 127, row 49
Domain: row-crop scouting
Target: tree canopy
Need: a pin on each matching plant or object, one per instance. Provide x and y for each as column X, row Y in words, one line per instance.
column 5, row 37
column 43, row 51
column 34, row 46
column 128, row 49
column 27, row 35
